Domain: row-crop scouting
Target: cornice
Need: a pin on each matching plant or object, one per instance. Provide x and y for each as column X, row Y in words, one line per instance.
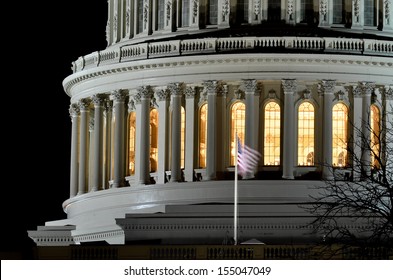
column 225, row 60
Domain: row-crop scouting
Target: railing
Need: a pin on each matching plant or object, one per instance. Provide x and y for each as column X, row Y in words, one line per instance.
column 240, row 44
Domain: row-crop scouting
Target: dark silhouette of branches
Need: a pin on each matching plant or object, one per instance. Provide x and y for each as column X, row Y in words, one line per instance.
column 356, row 211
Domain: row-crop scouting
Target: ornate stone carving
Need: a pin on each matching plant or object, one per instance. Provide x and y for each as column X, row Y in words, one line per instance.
column 356, row 91
column 190, row 92
column 108, row 31
column 168, row 11
column 327, row 86
column 146, row 12
column 91, row 121
column 225, row 10
column 387, row 4
column 128, row 18
column 307, row 93
column 290, row 9
column 249, row 85
column 389, row 92
column 162, row 94
column 176, row 88
column 73, row 110
column 145, row 92
column 83, row 104
column 367, row 87
column 356, row 9
column 272, row 94
column 289, row 85
column 211, row 86
column 323, row 7
column 118, row 95
column 239, row 94
column 257, row 7
column 115, row 23
column 341, row 95
column 98, row 99
column 195, row 9
column 131, row 105
column 137, row 98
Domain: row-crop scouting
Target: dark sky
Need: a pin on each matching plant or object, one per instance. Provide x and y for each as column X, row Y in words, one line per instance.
column 39, row 44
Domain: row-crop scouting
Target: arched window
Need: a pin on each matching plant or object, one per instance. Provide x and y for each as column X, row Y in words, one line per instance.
column 182, row 137
column 375, row 123
column 202, row 136
column 340, row 134
column 305, row 136
column 160, row 14
column 131, row 145
column 272, row 134
column 238, row 122
column 153, row 140
column 213, row 11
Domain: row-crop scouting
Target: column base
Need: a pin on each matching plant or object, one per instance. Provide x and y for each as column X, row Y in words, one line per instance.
column 287, row 177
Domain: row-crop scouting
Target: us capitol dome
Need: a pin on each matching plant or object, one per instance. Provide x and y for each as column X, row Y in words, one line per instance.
column 156, row 113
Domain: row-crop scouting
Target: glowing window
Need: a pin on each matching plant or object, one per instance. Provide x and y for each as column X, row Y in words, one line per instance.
column 131, row 145
column 375, row 123
column 238, row 122
column 153, row 140
column 202, row 136
column 305, row 138
column 272, row 134
column 340, row 132
column 183, row 137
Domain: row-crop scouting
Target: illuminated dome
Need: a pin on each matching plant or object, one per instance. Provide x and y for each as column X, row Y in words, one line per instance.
column 155, row 116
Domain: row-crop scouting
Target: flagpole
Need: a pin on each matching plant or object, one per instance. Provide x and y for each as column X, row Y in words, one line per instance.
column 235, row 196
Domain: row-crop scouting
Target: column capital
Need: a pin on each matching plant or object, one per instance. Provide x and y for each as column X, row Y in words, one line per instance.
column 388, row 92
column 162, row 94
column 190, row 92
column 119, row 95
column 211, row 86
column 289, row 85
column 367, row 87
column 327, row 86
column 131, row 104
column 176, row 89
column 73, row 110
column 144, row 92
column 99, row 99
column 83, row 104
column 250, row 86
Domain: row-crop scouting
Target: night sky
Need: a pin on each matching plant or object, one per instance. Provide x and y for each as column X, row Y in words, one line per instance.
column 40, row 42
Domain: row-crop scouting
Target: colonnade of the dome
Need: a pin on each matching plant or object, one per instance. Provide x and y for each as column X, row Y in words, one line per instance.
column 139, row 18
column 184, row 132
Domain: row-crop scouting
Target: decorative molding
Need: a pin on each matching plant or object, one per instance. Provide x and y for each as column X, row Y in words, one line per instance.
column 272, row 94
column 249, row 86
column 257, row 7
column 239, row 94
column 128, row 19
column 289, row 85
column 327, row 86
column 145, row 92
column 356, row 91
column 84, row 104
column 307, row 94
column 176, row 89
column 195, row 10
column 118, row 96
column 99, row 99
column 367, row 87
column 388, row 92
column 211, row 86
column 356, row 10
column 131, row 105
column 115, row 23
column 91, row 121
column 190, row 92
column 168, row 11
column 341, row 94
column 74, row 110
column 387, row 4
column 323, row 7
column 162, row 94
column 225, row 10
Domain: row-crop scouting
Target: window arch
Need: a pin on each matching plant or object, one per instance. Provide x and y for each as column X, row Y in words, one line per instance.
column 238, row 123
column 272, row 132
column 375, row 125
column 202, row 135
column 340, row 135
column 153, row 140
column 305, row 136
column 131, row 144
column 182, row 137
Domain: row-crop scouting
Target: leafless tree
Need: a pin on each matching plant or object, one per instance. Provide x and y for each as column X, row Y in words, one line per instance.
column 356, row 211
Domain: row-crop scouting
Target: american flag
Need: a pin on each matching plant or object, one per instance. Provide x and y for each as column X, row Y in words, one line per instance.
column 247, row 159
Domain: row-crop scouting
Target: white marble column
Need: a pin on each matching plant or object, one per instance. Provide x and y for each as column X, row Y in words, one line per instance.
column 252, row 115
column 108, row 143
column 142, row 155
column 74, row 114
column 367, row 90
column 98, row 155
column 90, row 150
column 327, row 87
column 119, row 99
column 190, row 134
column 163, row 128
column 176, row 95
column 289, row 87
column 211, row 88
column 83, row 145
column 221, row 140
column 355, row 129
column 388, row 134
